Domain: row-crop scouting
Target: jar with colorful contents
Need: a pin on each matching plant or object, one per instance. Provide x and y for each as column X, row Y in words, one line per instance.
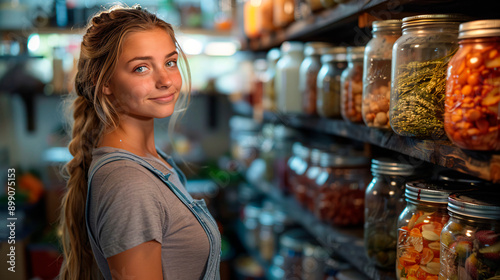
column 473, row 88
column 419, row 229
column 305, row 181
column 377, row 73
column 287, row 77
column 351, row 89
column 470, row 241
column 333, row 62
column 418, row 75
column 384, row 201
column 269, row 98
column 341, row 192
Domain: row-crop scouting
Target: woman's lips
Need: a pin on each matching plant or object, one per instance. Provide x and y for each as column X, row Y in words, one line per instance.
column 164, row 99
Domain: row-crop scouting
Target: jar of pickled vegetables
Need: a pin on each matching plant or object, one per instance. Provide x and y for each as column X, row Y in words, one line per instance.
column 473, row 88
column 377, row 73
column 419, row 229
column 351, row 89
column 470, row 243
column 334, row 61
column 418, row 75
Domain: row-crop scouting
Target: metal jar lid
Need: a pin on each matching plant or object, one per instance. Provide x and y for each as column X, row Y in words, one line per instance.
column 333, row 54
column 336, row 160
column 295, row 239
column 386, row 166
column 355, row 53
column 387, row 25
column 434, row 191
column 432, row 19
column 479, row 28
column 477, row 204
column 315, row 48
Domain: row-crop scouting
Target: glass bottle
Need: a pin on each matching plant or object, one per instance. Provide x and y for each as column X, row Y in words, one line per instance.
column 377, row 73
column 418, row 75
column 287, row 77
column 334, row 61
column 269, row 98
column 351, row 89
column 471, row 119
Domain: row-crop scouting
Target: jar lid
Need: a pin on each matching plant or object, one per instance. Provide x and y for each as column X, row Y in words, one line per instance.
column 273, row 55
column 431, row 191
column 478, row 204
column 355, row 53
column 386, row 166
column 336, row 160
column 432, row 19
column 386, row 25
column 316, row 156
column 479, row 28
column 315, row 48
column 292, row 46
column 295, row 239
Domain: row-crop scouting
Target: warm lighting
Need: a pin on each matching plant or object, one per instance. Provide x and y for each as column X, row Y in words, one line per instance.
column 191, row 46
column 220, row 48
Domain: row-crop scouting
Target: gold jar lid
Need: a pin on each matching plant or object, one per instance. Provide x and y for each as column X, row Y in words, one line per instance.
column 479, row 28
column 432, row 19
column 387, row 25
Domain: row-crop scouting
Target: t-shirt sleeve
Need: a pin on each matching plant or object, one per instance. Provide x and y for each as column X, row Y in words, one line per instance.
column 128, row 211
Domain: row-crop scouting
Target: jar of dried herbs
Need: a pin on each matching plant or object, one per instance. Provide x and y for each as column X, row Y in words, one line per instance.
column 333, row 62
column 420, row 58
column 351, row 90
column 377, row 73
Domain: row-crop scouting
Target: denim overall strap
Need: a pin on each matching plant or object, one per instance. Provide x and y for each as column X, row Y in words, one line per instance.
column 170, row 161
column 197, row 207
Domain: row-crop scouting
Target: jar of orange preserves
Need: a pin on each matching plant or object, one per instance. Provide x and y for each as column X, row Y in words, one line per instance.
column 473, row 87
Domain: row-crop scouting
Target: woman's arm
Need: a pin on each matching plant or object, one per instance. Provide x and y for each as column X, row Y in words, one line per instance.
column 140, row 262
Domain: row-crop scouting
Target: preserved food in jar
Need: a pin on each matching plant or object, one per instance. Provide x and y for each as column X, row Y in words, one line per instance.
column 351, row 90
column 473, row 88
column 377, row 73
column 269, row 98
column 420, row 57
column 283, row 12
column 287, row 77
column 334, row 61
column 470, row 243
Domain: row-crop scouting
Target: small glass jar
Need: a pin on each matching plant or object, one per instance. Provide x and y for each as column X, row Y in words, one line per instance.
column 377, row 73
column 269, row 93
column 291, row 248
column 334, row 61
column 304, row 181
column 296, row 182
column 311, row 175
column 299, row 158
column 384, row 201
column 284, row 138
column 419, row 228
column 470, row 244
column 287, row 77
column 418, row 76
column 351, row 89
column 309, row 69
column 283, row 12
column 471, row 119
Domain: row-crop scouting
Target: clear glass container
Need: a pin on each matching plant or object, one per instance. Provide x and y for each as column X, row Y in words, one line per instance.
column 334, row 61
column 418, row 76
column 283, row 12
column 287, row 90
column 471, row 119
column 314, row 262
column 304, row 181
column 351, row 89
column 384, row 201
column 328, row 3
column 299, row 158
column 284, row 137
column 269, row 93
column 265, row 22
column 470, row 244
column 297, row 177
column 292, row 244
column 250, row 17
column 315, row 5
column 309, row 69
column 377, row 73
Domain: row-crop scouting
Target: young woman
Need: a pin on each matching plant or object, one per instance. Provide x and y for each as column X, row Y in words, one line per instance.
column 126, row 213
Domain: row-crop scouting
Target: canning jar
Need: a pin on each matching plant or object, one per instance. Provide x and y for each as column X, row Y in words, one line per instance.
column 419, row 228
column 284, row 138
column 341, row 192
column 283, row 12
column 291, row 248
column 328, row 3
column 269, row 93
column 351, row 89
column 377, row 73
column 384, row 201
column 418, row 76
column 305, row 180
column 309, row 69
column 473, row 88
column 287, row 77
column 334, row 61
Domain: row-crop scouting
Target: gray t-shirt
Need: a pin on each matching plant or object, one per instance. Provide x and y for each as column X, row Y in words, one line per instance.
column 129, row 205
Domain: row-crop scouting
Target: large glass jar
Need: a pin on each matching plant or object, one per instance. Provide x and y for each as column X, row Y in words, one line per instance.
column 287, row 77
column 418, row 79
column 309, row 69
column 269, row 98
column 334, row 61
column 470, row 244
column 384, row 201
column 304, row 181
column 283, row 12
column 471, row 119
column 377, row 73
column 351, row 89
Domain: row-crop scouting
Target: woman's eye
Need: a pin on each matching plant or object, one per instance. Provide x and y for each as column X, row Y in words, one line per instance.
column 171, row 63
column 140, row 69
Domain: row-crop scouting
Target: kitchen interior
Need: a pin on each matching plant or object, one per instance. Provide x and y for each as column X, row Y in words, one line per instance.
column 332, row 139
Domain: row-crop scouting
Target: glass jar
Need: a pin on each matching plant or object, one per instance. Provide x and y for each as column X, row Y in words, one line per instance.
column 341, row 192
column 309, row 69
column 267, row 242
column 284, row 138
column 418, row 77
column 283, row 12
column 297, row 180
column 314, row 262
column 298, row 158
column 259, row 68
column 419, row 228
column 287, row 77
column 291, row 248
column 471, row 119
column 269, row 93
column 315, row 5
column 470, row 247
column 250, row 220
column 265, row 21
column 304, row 181
column 384, row 201
column 351, row 89
column 377, row 73
column 250, row 12
column 334, row 61
column 311, row 175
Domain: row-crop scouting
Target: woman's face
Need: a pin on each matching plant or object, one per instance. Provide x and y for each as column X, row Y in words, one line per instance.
column 146, row 82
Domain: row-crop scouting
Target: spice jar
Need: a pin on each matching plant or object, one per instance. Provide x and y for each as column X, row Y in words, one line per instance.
column 377, row 73
column 419, row 228
column 287, row 77
column 309, row 69
column 420, row 57
column 472, row 87
column 470, row 244
column 384, row 201
column 291, row 248
column 269, row 93
column 334, row 61
column 283, row 12
column 304, row 181
column 351, row 90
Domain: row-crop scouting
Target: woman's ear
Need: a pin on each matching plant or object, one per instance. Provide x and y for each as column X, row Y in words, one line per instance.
column 107, row 89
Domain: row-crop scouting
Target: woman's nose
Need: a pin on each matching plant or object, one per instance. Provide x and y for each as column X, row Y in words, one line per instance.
column 163, row 79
